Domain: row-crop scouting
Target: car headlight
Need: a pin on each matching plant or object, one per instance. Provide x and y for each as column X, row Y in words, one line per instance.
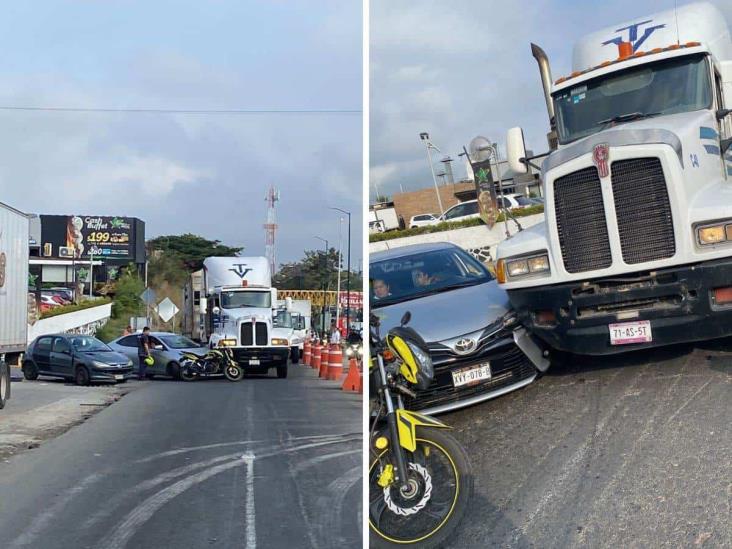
column 130, row 363
column 279, row 341
column 227, row 342
column 714, row 233
column 520, row 267
column 98, row 364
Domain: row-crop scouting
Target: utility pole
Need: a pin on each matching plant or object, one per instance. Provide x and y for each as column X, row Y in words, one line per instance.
column 424, row 136
column 348, row 274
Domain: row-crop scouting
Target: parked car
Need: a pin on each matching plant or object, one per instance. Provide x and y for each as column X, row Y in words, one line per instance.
column 167, row 350
column 422, row 220
column 79, row 358
column 459, row 212
column 65, row 293
column 49, row 301
column 478, row 348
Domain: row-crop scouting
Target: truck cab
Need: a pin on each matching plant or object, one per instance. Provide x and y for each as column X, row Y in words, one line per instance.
column 241, row 313
column 636, row 247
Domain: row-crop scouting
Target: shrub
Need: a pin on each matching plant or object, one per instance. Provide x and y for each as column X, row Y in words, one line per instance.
column 63, row 309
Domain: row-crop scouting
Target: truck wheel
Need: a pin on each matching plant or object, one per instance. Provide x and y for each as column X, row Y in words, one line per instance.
column 30, row 370
column 4, row 384
column 295, row 355
column 282, row 371
column 81, row 376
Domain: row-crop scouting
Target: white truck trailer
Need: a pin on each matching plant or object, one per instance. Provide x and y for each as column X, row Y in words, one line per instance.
column 14, row 231
column 301, row 312
column 241, row 313
column 636, row 247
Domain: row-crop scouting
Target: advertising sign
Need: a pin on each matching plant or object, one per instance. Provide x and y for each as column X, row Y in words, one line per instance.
column 486, row 191
column 99, row 236
column 356, row 300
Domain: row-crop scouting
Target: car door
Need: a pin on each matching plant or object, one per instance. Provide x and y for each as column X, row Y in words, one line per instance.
column 42, row 353
column 61, row 361
column 455, row 212
column 128, row 346
column 157, row 350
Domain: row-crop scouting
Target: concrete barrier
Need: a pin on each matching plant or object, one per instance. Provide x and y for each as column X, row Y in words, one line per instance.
column 86, row 321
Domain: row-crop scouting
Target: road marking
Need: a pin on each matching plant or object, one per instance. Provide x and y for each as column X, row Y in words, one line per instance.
column 42, row 520
column 685, row 404
column 330, row 507
column 314, row 461
column 251, row 531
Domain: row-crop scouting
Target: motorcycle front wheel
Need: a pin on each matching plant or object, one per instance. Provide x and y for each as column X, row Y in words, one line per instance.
column 234, row 372
column 430, row 510
column 187, row 373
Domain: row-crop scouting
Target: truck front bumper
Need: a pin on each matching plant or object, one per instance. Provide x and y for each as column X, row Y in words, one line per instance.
column 679, row 303
column 260, row 358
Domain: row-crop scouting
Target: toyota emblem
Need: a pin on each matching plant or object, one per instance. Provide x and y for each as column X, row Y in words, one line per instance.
column 601, row 158
column 464, row 345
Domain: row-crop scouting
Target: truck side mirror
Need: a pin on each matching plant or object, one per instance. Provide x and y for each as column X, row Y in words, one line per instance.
column 516, row 150
column 203, row 305
column 725, row 144
column 723, row 113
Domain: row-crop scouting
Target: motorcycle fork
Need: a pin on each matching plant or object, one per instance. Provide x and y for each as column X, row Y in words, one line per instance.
column 391, row 421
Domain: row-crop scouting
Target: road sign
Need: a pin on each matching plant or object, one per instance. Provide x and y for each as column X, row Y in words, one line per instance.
column 148, row 296
column 166, row 309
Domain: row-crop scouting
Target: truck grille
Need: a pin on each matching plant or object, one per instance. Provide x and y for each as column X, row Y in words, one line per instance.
column 258, row 336
column 581, row 221
column 643, row 210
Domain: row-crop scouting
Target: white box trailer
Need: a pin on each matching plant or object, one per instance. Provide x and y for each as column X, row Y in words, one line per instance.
column 14, row 234
column 383, row 219
column 636, row 247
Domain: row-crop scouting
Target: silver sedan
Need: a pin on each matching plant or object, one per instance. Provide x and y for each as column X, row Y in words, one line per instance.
column 166, row 351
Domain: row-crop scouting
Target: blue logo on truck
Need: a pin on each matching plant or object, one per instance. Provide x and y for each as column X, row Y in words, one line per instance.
column 633, row 37
column 240, row 270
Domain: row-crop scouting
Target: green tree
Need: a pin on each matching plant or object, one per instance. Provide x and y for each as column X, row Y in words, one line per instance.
column 127, row 303
column 191, row 249
column 314, row 270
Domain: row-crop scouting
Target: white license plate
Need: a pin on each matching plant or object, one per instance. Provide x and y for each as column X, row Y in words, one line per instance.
column 254, row 361
column 119, row 376
column 630, row 332
column 466, row 376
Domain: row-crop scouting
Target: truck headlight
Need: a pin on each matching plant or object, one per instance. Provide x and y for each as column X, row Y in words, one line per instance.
column 520, row 267
column 227, row 342
column 714, row 234
column 279, row 341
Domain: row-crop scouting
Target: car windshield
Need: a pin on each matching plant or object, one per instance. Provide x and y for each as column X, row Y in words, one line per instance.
column 666, row 87
column 88, row 344
column 178, row 342
column 421, row 274
column 524, row 201
column 234, row 300
column 282, row 319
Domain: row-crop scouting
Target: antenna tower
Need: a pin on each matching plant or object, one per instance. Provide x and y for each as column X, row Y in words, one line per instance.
column 270, row 228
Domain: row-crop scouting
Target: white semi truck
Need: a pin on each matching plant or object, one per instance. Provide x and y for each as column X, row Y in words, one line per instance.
column 14, row 231
column 636, row 247
column 240, row 308
column 301, row 312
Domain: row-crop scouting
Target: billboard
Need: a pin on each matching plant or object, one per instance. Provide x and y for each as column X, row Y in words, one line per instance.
column 100, row 236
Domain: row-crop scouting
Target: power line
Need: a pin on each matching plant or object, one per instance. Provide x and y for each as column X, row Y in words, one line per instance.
column 184, row 111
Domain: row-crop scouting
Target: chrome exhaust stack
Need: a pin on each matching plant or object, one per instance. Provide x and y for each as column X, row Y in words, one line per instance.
column 546, row 82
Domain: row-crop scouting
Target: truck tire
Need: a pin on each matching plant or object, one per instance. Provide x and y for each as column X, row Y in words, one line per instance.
column 295, row 354
column 30, row 370
column 4, row 384
column 282, row 371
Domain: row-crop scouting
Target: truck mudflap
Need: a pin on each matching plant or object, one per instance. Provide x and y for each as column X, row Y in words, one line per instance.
column 260, row 358
column 681, row 304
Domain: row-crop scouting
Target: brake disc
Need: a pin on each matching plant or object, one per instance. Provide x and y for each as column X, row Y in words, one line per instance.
column 416, row 508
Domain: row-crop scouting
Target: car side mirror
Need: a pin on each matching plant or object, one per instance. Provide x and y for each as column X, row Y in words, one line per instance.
column 406, row 318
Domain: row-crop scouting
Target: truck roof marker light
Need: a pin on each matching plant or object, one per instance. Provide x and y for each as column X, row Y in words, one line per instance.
column 244, row 283
column 625, row 50
column 692, row 44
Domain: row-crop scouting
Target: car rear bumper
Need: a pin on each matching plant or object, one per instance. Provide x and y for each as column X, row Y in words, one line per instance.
column 677, row 301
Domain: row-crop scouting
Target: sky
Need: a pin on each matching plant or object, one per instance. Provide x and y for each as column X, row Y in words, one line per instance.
column 203, row 174
column 464, row 68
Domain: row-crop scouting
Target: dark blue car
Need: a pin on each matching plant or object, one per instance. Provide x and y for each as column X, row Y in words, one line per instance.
column 75, row 357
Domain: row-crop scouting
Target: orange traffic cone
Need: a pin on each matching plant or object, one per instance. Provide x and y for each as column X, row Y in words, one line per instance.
column 354, row 380
column 324, row 359
column 306, row 353
column 315, row 360
column 335, row 363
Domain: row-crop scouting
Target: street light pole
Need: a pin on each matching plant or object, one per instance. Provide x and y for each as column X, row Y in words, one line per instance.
column 348, row 275
column 424, row 136
column 325, row 257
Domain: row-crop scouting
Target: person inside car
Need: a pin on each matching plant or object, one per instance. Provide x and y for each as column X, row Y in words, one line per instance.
column 381, row 289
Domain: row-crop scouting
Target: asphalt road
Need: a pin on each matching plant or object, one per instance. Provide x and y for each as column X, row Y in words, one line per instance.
column 626, row 451
column 260, row 463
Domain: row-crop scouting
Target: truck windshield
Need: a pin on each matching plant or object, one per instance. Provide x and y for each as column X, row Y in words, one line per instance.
column 235, row 300
column 666, row 87
column 282, row 319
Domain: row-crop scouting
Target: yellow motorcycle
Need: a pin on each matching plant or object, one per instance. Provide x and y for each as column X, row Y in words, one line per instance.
column 214, row 362
column 420, row 479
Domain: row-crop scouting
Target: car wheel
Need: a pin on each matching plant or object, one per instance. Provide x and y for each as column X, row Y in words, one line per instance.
column 30, row 370
column 282, row 371
column 173, row 370
column 81, row 376
column 4, row 384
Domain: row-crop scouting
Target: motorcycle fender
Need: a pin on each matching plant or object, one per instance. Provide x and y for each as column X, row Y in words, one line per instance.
column 407, row 423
